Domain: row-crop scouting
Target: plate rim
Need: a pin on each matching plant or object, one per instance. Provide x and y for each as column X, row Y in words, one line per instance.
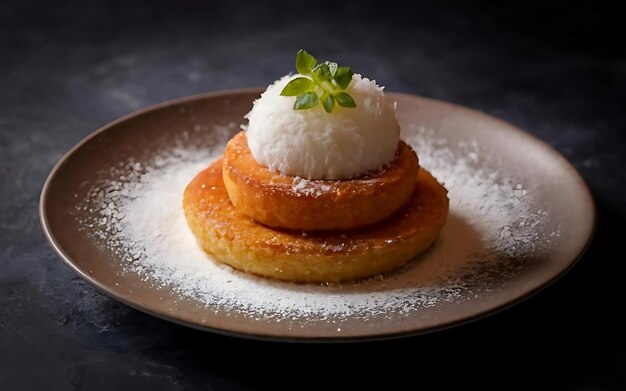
column 105, row 289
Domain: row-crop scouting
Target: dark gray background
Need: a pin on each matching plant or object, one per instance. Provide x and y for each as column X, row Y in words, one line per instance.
column 67, row 68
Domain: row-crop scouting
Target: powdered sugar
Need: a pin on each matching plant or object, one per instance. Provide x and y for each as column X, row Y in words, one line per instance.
column 137, row 214
column 308, row 187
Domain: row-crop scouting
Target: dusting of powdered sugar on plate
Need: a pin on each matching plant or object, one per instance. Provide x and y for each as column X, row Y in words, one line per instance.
column 492, row 229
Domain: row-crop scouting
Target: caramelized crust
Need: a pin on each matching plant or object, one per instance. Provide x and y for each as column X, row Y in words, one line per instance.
column 322, row 256
column 284, row 201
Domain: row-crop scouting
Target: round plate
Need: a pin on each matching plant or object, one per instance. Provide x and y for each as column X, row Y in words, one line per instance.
column 536, row 176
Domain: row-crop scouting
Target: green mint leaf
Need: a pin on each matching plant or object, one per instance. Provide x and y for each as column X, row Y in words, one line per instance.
column 297, row 86
column 343, row 76
column 333, row 67
column 320, row 82
column 344, row 100
column 306, row 101
column 328, row 102
column 321, row 72
column 305, row 62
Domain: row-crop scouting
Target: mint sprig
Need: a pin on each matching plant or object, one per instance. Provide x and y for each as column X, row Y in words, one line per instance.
column 323, row 82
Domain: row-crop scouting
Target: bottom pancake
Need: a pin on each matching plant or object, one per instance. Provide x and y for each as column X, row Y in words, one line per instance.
column 321, row 256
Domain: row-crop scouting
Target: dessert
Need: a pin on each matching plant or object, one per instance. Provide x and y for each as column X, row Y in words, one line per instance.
column 318, row 256
column 318, row 188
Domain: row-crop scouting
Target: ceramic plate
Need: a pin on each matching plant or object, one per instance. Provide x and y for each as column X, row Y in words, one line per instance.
column 520, row 217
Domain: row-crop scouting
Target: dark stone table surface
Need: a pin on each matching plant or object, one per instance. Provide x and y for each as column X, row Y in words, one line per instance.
column 67, row 68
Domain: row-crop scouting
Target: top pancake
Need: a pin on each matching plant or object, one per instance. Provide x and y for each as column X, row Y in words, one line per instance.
column 283, row 201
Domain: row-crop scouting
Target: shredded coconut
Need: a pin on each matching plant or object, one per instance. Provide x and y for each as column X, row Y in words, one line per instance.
column 316, row 145
column 492, row 228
